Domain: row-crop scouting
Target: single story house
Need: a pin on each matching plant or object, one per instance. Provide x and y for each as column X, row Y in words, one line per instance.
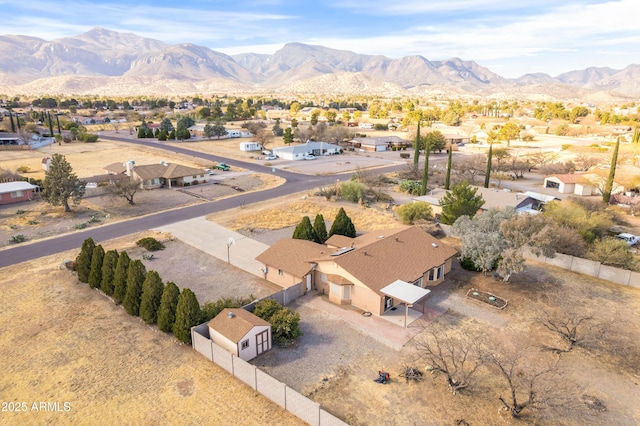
column 250, row 146
column 153, row 176
column 15, row 192
column 576, row 184
column 379, row 143
column 297, row 152
column 10, row 139
column 527, row 202
column 241, row 333
column 355, row 271
column 453, row 139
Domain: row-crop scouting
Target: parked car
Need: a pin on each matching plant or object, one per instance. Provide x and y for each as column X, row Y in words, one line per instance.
column 209, row 171
column 271, row 157
column 630, row 239
column 309, row 157
column 223, row 167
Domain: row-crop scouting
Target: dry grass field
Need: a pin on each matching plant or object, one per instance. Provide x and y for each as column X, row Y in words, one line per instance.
column 63, row 342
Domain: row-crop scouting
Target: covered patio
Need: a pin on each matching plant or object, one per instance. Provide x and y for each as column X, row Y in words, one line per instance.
column 407, row 294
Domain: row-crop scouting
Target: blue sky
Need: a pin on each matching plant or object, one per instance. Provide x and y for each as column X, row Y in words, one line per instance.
column 510, row 37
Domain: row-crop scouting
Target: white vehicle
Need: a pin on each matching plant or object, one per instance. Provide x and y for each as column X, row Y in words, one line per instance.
column 309, row 157
column 630, row 239
column 271, row 157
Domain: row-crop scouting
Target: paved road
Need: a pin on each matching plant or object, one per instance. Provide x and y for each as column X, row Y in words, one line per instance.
column 295, row 183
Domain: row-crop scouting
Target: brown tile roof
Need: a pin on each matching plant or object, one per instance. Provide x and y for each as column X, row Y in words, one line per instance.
column 238, row 326
column 337, row 279
column 168, row 171
column 339, row 241
column 571, row 178
column 293, row 256
column 405, row 254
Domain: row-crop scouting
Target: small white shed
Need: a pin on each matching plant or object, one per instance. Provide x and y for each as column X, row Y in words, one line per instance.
column 241, row 333
column 250, row 146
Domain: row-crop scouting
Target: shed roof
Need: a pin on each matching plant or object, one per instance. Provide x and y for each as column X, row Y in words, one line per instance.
column 16, row 186
column 237, row 326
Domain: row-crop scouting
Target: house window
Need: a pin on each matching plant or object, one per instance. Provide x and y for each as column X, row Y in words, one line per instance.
column 244, row 345
column 16, row 194
column 201, row 176
column 281, row 272
column 440, row 272
column 155, row 181
column 347, row 292
column 195, row 176
column 418, row 282
column 430, row 274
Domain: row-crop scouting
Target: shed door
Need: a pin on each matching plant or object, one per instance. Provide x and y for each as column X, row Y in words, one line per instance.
column 262, row 342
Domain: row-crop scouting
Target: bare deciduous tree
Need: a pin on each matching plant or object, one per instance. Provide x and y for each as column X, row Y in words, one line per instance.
column 471, row 167
column 456, row 358
column 573, row 328
column 125, row 188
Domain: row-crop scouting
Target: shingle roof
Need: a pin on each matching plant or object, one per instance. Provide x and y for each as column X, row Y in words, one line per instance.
column 116, row 168
column 292, row 256
column 571, row 178
column 405, row 255
column 236, row 327
column 168, row 171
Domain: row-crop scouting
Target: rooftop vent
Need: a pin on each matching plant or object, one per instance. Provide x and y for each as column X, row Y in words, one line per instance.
column 230, row 314
column 434, row 245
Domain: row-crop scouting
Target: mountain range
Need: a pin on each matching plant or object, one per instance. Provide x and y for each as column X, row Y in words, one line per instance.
column 108, row 63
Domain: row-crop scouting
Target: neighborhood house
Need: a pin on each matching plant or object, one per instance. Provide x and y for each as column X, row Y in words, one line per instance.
column 241, row 333
column 15, row 192
column 297, row 152
column 153, row 176
column 360, row 271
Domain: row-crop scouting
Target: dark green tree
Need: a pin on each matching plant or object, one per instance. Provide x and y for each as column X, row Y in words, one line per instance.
column 416, row 148
column 462, row 200
column 83, row 260
column 304, row 230
column 266, row 308
column 287, row 136
column 487, row 175
column 95, row 276
column 142, row 130
column 109, row 265
column 61, row 184
column 167, row 309
column 135, row 277
column 447, row 179
column 608, row 185
column 58, row 123
column 320, row 229
column 342, row 225
column 187, row 315
column 120, row 278
column 50, row 123
column 13, row 125
column 425, row 173
column 152, row 289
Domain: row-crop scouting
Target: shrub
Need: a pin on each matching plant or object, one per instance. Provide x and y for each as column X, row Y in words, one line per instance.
column 150, row 244
column 95, row 275
column 565, row 146
column 411, row 187
column 109, row 264
column 120, row 278
column 19, row 211
column 80, row 225
column 416, row 211
column 24, row 169
column 136, row 275
column 285, row 324
column 212, row 309
column 16, row 239
column 352, row 191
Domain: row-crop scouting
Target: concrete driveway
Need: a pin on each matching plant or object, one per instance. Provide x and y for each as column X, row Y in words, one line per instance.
column 219, row 242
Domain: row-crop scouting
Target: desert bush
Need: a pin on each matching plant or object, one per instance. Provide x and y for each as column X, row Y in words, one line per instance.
column 150, row 244
column 352, row 191
column 24, row 169
column 413, row 212
column 285, row 323
column 411, row 187
column 16, row 239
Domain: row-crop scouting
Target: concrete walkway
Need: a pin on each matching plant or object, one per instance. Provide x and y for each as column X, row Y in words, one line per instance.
column 214, row 240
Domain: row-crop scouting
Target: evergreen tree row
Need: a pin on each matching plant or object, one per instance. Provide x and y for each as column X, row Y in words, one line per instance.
column 141, row 292
column 342, row 225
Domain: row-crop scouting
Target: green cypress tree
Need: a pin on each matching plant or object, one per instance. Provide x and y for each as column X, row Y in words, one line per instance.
column 320, row 228
column 416, row 148
column 13, row 125
column 608, row 186
column 636, row 135
column 83, row 261
column 304, row 230
column 152, row 289
column 425, row 173
column 487, row 175
column 167, row 310
column 342, row 225
column 120, row 278
column 135, row 277
column 109, row 264
column 95, row 276
column 187, row 315
column 447, row 179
